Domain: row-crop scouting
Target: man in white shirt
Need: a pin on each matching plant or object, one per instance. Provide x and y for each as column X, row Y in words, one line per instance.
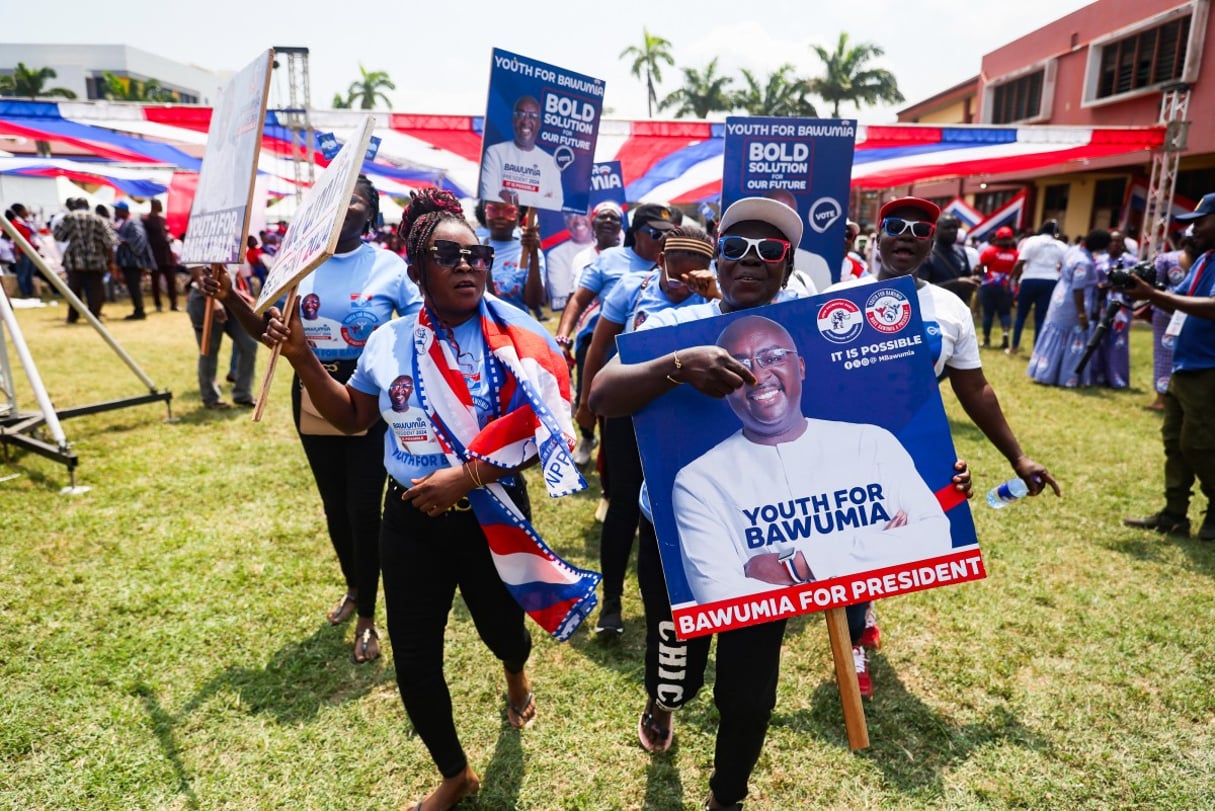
column 1036, row 271
column 518, row 171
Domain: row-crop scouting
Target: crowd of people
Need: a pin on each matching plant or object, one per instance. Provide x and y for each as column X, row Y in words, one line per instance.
column 425, row 385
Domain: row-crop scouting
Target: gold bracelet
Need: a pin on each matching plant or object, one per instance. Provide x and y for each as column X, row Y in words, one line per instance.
column 470, row 469
column 678, row 365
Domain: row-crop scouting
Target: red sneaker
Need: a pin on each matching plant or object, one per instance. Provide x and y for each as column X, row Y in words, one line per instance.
column 872, row 637
column 860, row 659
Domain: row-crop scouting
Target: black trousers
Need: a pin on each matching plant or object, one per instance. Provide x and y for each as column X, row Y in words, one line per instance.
column 748, row 668
column 169, row 275
column 89, row 286
column 133, row 279
column 620, row 455
column 425, row 559
column 349, row 475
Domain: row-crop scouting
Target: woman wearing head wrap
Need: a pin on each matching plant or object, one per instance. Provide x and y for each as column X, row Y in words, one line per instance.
column 487, row 395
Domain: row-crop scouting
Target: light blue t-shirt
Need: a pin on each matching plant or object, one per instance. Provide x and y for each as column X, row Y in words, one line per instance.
column 600, row 276
column 639, row 296
column 350, row 296
column 387, row 371
column 509, row 277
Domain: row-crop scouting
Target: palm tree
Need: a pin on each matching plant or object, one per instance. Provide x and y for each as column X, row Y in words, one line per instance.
column 701, row 94
column 647, row 59
column 782, row 95
column 369, row 89
column 848, row 79
column 28, row 83
column 340, row 102
column 119, row 89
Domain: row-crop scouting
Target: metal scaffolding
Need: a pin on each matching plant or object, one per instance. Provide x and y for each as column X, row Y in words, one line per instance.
column 1174, row 106
column 294, row 117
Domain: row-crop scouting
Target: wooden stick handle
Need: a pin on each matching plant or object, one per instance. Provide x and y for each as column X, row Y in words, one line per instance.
column 292, row 302
column 208, row 317
column 845, row 676
column 525, row 258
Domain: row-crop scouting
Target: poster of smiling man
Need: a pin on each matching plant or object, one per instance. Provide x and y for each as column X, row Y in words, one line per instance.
column 828, row 482
column 805, row 163
column 541, row 124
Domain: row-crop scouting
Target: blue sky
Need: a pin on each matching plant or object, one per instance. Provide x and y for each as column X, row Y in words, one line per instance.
column 439, row 53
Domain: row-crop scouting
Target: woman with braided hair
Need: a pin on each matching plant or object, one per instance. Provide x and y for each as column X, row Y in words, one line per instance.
column 354, row 293
column 473, row 391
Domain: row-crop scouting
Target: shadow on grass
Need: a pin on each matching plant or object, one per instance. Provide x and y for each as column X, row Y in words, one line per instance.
column 295, row 683
column 503, row 777
column 1156, row 549
column 910, row 743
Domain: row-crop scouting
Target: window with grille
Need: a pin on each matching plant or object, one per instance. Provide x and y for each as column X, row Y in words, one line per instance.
column 1019, row 99
column 1154, row 56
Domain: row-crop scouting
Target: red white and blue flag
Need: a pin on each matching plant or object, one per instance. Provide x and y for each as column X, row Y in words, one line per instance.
column 1011, row 214
column 533, row 403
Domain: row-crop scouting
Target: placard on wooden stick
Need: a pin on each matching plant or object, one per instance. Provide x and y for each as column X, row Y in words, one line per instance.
column 223, row 201
column 313, row 235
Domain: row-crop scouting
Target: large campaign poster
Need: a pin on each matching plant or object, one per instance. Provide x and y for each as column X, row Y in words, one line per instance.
column 219, row 216
column 567, row 235
column 314, row 230
column 827, row 483
column 541, row 125
column 805, row 163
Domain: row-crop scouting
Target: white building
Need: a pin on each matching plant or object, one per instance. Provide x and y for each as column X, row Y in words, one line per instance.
column 82, row 69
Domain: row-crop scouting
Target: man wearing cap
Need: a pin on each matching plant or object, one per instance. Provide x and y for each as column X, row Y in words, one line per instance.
column 948, row 266
column 642, row 244
column 1039, row 261
column 905, row 230
column 1188, row 430
column 133, row 256
column 996, row 263
column 518, row 171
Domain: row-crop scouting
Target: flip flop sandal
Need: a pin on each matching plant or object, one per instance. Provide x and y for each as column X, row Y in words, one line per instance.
column 648, row 731
column 526, row 713
column 343, row 611
column 362, row 650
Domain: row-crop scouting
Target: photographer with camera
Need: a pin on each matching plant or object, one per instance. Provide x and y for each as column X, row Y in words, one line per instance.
column 1112, row 314
column 1189, row 419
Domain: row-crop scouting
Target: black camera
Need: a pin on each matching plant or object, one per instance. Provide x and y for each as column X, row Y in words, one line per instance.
column 1120, row 277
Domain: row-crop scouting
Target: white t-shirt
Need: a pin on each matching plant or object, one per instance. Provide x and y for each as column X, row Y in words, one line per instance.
column 531, row 174
column 829, row 494
column 948, row 326
column 1043, row 256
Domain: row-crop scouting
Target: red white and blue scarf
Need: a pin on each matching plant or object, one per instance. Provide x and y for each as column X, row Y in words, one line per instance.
column 529, row 389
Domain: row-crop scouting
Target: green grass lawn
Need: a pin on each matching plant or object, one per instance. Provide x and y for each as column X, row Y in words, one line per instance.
column 164, row 643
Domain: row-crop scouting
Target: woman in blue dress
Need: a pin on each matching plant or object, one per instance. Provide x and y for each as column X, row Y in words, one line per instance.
column 1066, row 330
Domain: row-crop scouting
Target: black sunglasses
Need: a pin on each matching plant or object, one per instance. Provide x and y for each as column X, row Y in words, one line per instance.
column 447, row 254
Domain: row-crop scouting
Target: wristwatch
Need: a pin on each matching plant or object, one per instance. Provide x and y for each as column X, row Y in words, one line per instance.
column 786, row 559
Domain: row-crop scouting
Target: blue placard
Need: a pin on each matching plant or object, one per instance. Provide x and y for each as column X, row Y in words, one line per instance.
column 541, row 125
column 877, row 445
column 329, row 146
column 804, row 162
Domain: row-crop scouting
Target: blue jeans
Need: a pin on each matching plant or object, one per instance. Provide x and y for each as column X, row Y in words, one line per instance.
column 1034, row 293
column 24, row 268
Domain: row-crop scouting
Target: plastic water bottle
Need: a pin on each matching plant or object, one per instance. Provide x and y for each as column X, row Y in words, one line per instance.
column 1007, row 493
